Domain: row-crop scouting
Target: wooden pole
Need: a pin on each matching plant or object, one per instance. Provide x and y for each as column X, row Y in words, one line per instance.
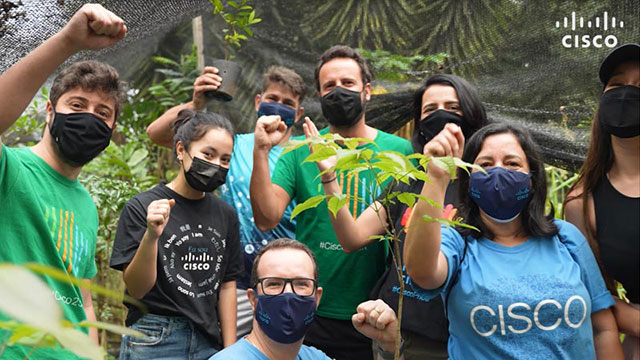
column 198, row 40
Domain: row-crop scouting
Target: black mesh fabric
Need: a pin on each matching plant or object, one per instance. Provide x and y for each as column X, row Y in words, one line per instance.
column 511, row 50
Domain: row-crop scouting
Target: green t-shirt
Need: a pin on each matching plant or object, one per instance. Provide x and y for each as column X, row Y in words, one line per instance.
column 48, row 219
column 346, row 279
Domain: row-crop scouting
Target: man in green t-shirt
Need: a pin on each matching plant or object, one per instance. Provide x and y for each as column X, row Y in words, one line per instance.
column 46, row 216
column 343, row 84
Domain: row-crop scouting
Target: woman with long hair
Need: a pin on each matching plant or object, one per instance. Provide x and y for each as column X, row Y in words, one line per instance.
column 604, row 203
column 521, row 286
column 178, row 248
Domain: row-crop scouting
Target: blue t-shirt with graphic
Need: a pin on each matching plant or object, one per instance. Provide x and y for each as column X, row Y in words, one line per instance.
column 530, row 301
column 235, row 192
column 243, row 350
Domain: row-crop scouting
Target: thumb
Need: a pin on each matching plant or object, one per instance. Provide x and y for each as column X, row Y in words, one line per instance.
column 172, row 202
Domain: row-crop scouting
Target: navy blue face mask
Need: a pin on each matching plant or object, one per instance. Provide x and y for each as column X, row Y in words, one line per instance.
column 287, row 114
column 501, row 193
column 285, row 318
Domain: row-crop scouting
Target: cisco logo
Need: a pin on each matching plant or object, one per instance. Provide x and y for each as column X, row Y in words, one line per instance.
column 577, row 41
column 196, row 262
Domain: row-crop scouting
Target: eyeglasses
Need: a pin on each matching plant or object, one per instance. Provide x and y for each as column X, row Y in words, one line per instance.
column 276, row 285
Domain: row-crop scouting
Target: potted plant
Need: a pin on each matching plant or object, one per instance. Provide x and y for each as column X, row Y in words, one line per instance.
column 238, row 15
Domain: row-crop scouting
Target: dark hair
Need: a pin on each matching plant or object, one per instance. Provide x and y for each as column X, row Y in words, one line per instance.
column 90, row 75
column 599, row 160
column 474, row 115
column 343, row 51
column 282, row 243
column 192, row 125
column 534, row 221
column 287, row 77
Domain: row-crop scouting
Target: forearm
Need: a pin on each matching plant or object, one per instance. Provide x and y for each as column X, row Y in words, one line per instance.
column 605, row 335
column 354, row 234
column 422, row 243
column 227, row 310
column 140, row 275
column 20, row 82
column 627, row 317
column 160, row 131
column 263, row 201
column 87, row 304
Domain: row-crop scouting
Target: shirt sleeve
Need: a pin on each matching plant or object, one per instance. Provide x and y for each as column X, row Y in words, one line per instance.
column 235, row 268
column 452, row 246
column 581, row 253
column 284, row 174
column 131, row 228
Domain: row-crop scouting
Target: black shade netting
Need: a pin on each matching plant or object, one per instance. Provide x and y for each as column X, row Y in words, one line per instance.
column 528, row 67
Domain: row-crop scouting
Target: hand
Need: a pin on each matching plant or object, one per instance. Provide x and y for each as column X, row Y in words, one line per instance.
column 209, row 80
column 449, row 142
column 158, row 216
column 270, row 130
column 93, row 27
column 310, row 131
column 377, row 321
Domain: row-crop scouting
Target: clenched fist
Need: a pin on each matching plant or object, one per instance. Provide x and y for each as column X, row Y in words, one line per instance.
column 93, row 27
column 158, row 216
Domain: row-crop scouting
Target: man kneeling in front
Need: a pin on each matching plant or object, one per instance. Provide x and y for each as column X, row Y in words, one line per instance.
column 284, row 297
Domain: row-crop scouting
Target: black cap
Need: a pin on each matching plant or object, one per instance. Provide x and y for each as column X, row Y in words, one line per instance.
column 620, row 55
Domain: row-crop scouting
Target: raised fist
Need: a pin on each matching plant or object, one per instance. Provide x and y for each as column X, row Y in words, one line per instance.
column 93, row 27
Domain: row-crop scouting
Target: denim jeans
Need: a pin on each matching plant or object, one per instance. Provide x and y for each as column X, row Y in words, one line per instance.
column 168, row 338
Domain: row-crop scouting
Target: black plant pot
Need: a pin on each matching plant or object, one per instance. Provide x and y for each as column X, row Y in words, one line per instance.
column 229, row 71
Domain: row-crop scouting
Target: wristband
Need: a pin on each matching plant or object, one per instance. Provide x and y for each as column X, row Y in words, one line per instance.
column 328, row 181
column 388, row 355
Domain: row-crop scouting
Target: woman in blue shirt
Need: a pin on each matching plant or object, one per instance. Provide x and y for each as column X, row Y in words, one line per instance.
column 525, row 286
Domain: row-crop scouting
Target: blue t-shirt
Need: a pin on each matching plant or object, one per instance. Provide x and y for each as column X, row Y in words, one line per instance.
column 243, row 350
column 530, row 301
column 235, row 192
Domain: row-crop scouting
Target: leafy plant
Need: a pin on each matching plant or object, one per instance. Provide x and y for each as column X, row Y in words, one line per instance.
column 25, row 130
column 38, row 319
column 239, row 16
column 396, row 67
column 389, row 167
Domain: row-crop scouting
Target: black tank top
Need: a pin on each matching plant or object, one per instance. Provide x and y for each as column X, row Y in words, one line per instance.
column 618, row 234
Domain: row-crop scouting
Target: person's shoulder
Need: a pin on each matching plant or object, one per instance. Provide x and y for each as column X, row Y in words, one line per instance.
column 311, row 353
column 569, row 234
column 241, row 350
column 146, row 197
column 222, row 205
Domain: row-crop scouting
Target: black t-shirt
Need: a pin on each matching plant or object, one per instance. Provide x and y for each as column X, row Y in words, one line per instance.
column 421, row 316
column 618, row 235
column 198, row 250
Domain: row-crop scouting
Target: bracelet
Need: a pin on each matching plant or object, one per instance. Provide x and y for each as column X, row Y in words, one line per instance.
column 388, row 355
column 328, row 181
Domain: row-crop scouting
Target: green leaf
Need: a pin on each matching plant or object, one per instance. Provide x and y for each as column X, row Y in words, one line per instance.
column 377, row 237
column 320, row 153
column 407, row 199
column 310, row 203
column 79, row 343
column 36, row 307
column 233, row 4
column 64, row 277
column 446, row 163
column 138, row 156
column 122, row 330
column 336, row 202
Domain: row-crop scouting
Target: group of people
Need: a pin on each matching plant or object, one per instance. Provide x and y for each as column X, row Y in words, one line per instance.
column 221, row 276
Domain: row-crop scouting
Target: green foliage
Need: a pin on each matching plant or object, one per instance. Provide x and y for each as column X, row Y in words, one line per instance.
column 559, row 182
column 239, row 16
column 39, row 321
column 24, row 130
column 396, row 67
column 388, row 166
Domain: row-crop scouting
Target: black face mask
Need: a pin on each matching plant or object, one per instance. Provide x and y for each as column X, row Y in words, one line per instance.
column 80, row 137
column 205, row 176
column 342, row 107
column 431, row 125
column 619, row 112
